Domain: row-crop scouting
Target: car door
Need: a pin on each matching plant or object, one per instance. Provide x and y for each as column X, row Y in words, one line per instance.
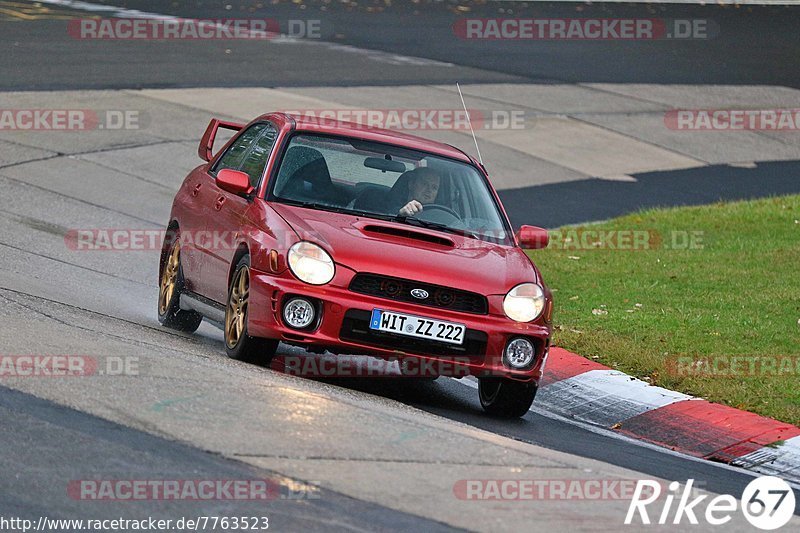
column 229, row 210
column 195, row 199
column 206, row 194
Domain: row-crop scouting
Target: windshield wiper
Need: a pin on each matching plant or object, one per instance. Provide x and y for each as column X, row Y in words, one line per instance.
column 337, row 209
column 412, row 221
column 316, row 205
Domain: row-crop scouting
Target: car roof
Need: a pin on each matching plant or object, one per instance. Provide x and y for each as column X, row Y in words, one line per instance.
column 360, row 131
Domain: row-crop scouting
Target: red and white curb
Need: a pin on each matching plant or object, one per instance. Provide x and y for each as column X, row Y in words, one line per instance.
column 579, row 389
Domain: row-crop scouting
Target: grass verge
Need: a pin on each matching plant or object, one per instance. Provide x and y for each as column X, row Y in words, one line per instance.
column 704, row 300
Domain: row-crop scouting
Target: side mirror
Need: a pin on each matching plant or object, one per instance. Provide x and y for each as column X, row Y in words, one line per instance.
column 533, row 237
column 234, row 181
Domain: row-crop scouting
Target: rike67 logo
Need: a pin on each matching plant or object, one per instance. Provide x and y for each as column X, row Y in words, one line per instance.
column 767, row 502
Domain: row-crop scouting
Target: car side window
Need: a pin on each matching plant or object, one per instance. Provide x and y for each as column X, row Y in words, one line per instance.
column 232, row 159
column 256, row 159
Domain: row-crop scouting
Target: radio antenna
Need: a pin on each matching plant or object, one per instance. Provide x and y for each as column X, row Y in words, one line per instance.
column 475, row 139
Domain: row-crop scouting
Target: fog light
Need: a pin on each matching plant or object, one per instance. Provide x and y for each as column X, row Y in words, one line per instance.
column 519, row 353
column 298, row 313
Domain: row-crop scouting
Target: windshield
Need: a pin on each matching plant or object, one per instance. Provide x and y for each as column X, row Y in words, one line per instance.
column 388, row 182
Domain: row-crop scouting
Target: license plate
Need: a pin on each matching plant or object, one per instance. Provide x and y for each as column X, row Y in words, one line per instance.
column 417, row 326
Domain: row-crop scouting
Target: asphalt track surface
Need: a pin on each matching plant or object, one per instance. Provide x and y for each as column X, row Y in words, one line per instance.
column 763, row 47
column 574, row 202
column 74, row 445
column 754, row 45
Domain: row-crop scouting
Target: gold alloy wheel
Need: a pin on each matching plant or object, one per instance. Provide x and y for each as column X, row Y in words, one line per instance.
column 169, row 279
column 236, row 312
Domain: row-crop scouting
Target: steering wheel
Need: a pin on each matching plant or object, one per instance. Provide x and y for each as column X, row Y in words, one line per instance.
column 440, row 207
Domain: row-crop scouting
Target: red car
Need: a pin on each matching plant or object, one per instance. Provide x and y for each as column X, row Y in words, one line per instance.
column 334, row 236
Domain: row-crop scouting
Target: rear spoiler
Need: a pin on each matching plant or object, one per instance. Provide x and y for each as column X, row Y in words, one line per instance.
column 207, row 142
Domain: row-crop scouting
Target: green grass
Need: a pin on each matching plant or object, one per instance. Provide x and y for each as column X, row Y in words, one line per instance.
column 738, row 293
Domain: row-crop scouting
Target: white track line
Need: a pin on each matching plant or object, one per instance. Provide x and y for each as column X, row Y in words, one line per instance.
column 605, row 397
column 782, row 460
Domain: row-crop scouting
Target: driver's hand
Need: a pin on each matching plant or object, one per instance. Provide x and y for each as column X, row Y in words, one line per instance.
column 411, row 208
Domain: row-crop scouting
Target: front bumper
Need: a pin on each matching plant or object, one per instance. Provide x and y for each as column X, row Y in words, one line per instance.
column 343, row 327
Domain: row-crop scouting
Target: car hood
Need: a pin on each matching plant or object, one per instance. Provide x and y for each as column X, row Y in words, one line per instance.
column 364, row 244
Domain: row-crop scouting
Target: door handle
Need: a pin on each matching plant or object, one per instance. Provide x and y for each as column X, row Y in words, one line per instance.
column 219, row 202
column 196, row 189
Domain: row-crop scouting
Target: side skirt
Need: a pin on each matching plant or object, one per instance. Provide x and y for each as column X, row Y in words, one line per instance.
column 210, row 309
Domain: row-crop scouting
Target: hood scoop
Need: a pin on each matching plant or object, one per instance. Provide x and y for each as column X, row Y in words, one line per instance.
column 408, row 234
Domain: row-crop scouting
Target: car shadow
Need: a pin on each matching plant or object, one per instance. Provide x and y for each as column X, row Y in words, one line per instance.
column 594, row 199
column 360, row 373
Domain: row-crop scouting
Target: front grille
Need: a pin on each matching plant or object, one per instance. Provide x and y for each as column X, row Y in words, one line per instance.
column 400, row 290
column 355, row 328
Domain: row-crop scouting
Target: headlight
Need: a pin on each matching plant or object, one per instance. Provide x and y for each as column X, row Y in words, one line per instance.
column 524, row 302
column 310, row 263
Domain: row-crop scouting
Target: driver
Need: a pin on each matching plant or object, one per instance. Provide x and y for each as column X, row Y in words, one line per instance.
column 423, row 187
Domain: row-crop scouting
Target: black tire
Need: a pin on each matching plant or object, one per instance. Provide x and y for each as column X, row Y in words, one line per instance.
column 238, row 344
column 170, row 286
column 506, row 398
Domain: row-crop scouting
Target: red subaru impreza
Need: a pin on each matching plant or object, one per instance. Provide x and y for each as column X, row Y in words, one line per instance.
column 334, row 236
